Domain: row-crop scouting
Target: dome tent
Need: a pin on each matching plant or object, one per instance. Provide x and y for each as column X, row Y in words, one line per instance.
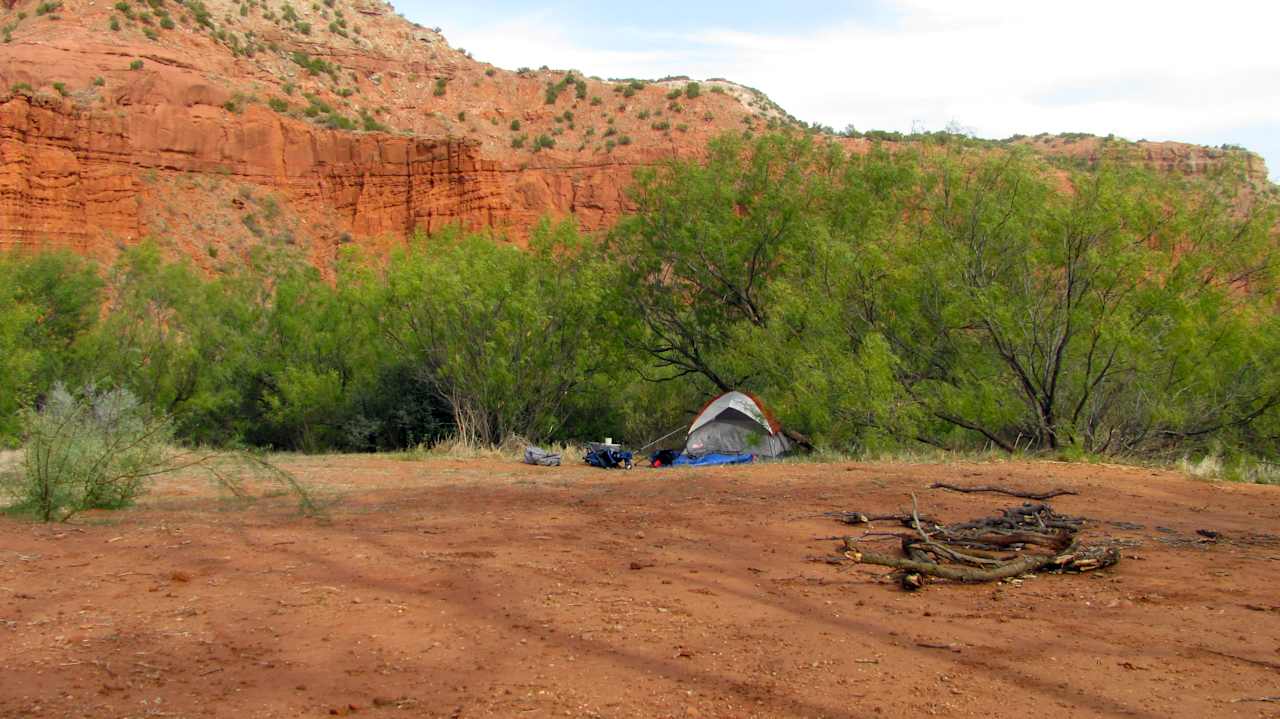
column 735, row 423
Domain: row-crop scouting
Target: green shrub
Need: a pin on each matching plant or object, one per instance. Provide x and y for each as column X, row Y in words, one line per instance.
column 543, row 142
column 167, row 23
column 624, row 140
column 278, row 104
column 337, row 121
column 675, row 94
column 61, row 87
column 99, row 81
column 91, row 450
column 370, row 124
column 692, row 90
column 114, row 24
column 518, row 142
column 441, row 87
column 135, row 65
column 313, row 65
column 515, row 125
column 46, row 8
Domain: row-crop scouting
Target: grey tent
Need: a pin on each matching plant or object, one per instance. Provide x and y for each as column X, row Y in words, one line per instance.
column 735, row 423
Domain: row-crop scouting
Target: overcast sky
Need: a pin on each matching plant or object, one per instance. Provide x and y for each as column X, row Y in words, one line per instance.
column 1204, row 72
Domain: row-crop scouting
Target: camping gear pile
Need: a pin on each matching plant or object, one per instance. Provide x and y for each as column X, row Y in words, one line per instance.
column 1018, row 541
column 734, row 428
column 607, row 455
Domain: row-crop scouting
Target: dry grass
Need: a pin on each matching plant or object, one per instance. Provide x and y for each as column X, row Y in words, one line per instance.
column 1246, row 469
column 512, row 448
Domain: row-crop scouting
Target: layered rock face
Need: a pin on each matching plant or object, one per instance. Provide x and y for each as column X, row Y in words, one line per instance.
column 220, row 124
column 102, row 144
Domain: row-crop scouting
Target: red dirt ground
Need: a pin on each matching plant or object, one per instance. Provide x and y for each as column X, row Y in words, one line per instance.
column 484, row 588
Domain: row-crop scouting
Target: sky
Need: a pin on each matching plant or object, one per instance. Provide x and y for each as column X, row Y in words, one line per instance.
column 1202, row 72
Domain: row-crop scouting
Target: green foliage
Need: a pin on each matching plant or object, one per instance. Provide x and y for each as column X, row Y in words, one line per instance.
column 506, row 339
column 135, row 65
column 61, row 88
column 314, row 65
column 515, row 125
column 92, row 450
column 692, row 90
column 46, row 8
column 278, row 104
column 954, row 294
column 200, row 13
column 960, row 297
column 442, row 86
column 99, row 81
column 369, row 123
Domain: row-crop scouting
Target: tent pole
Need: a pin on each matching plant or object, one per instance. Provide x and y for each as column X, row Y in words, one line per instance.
column 668, row 434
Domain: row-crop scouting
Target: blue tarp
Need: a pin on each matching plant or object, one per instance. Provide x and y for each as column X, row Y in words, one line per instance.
column 710, row 460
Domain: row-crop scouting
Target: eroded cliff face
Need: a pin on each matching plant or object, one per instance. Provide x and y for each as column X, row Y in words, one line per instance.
column 84, row 179
column 220, row 124
column 207, row 135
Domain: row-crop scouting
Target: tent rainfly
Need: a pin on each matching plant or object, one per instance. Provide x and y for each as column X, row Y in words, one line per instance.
column 735, row 423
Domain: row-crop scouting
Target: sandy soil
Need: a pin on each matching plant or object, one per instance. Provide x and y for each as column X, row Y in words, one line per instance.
column 490, row 589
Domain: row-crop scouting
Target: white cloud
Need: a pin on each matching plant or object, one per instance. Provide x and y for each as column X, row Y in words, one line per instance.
column 1167, row 70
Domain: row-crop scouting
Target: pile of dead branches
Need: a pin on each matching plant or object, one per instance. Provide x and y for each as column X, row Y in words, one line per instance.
column 1020, row 540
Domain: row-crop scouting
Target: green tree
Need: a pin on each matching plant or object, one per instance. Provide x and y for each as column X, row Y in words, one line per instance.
column 505, row 338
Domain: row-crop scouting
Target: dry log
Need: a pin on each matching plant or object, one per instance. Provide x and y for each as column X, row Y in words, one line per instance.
column 982, row 550
column 1021, row 565
column 1039, row 496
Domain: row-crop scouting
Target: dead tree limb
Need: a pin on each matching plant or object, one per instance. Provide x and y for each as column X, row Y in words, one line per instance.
column 1027, row 538
column 1039, row 496
column 959, row 573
